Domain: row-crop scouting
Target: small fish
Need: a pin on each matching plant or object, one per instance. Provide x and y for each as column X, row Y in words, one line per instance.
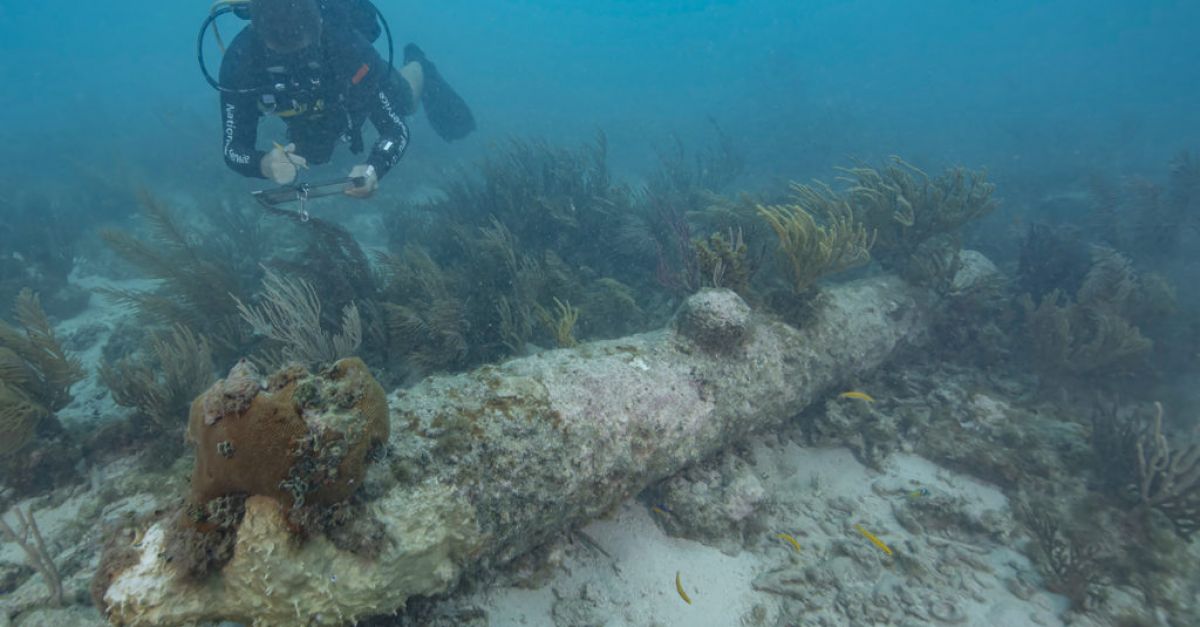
column 789, row 539
column 855, row 394
column 679, row 588
column 661, row 511
column 918, row 493
column 874, row 540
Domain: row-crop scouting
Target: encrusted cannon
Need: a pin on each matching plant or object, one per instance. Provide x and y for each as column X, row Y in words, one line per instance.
column 481, row 467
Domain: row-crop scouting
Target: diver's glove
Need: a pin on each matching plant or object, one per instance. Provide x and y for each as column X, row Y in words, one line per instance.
column 370, row 181
column 448, row 113
column 282, row 163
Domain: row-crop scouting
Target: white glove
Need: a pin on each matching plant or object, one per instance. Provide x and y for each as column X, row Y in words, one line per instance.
column 282, row 163
column 370, row 181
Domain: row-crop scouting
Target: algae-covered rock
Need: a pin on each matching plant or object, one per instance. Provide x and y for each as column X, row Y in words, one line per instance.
column 716, row 503
column 974, row 268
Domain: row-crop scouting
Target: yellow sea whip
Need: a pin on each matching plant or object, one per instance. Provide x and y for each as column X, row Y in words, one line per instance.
column 874, row 540
column 679, row 588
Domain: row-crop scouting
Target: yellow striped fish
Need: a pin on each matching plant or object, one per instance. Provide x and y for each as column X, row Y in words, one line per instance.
column 874, row 540
column 679, row 588
column 787, row 537
column 855, row 394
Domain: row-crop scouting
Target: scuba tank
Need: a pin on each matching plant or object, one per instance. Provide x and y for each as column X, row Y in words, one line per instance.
column 360, row 15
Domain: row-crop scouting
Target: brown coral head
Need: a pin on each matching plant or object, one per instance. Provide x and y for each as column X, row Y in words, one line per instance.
column 304, row 441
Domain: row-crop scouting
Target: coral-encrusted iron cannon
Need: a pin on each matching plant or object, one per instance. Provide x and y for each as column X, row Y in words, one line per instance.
column 544, row 443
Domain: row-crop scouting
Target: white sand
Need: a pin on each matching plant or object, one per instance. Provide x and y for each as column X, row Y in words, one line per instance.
column 91, row 399
column 811, row 489
column 637, row 586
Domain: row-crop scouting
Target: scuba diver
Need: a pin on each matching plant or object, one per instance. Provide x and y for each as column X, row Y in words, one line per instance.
column 313, row 64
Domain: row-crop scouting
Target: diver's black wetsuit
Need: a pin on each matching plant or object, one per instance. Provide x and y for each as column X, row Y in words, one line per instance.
column 329, row 93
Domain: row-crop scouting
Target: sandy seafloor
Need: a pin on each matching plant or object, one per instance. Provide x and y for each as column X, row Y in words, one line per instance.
column 817, row 496
column 963, row 566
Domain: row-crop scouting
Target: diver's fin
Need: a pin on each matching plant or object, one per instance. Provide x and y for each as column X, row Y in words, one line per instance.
column 448, row 113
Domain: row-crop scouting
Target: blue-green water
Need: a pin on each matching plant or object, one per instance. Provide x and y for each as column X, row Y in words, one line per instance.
column 1016, row 185
column 1023, row 87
